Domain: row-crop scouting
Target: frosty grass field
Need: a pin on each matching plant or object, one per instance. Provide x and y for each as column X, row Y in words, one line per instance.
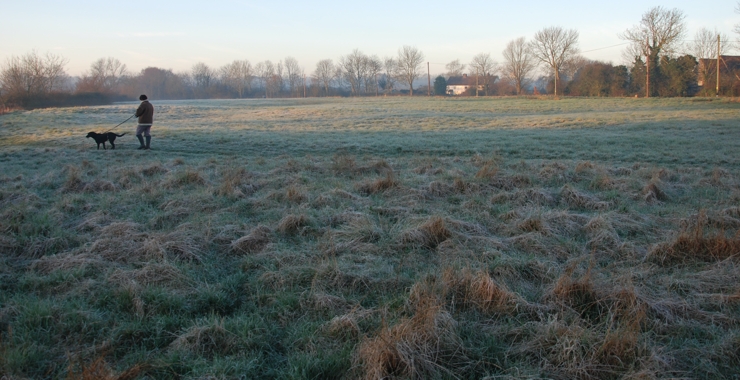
column 374, row 238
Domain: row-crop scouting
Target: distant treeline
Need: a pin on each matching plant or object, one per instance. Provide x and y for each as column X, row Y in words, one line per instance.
column 549, row 63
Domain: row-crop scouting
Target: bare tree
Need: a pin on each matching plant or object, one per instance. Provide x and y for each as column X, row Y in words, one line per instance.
column 269, row 77
column 293, row 74
column 553, row 47
column 571, row 66
column 203, row 78
column 737, row 26
column 390, row 74
column 455, row 69
column 238, row 75
column 705, row 44
column 324, row 74
column 659, row 32
column 518, row 63
column 32, row 74
column 409, row 65
column 104, row 76
column 483, row 66
column 355, row 68
column 704, row 48
column 374, row 67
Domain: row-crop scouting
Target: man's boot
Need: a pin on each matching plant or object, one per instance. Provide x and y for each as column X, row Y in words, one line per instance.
column 148, row 140
column 141, row 141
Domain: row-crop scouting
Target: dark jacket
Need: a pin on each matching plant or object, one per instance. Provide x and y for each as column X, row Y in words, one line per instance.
column 145, row 113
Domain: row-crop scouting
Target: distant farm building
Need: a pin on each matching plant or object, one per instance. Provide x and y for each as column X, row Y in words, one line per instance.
column 729, row 74
column 460, row 84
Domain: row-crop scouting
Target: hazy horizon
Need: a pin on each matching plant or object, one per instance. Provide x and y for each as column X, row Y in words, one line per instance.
column 177, row 35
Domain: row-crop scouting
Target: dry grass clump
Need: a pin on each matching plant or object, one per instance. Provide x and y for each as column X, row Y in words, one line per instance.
column 255, row 241
column 74, row 182
column 621, row 171
column 425, row 346
column 292, row 224
column 346, row 164
column 439, row 189
column 534, row 197
column 428, row 235
column 99, row 369
column 488, row 171
column 295, row 195
column 124, row 242
column 379, row 185
column 553, row 171
column 206, row 339
column 154, row 169
column 162, row 274
column 356, row 235
column 98, row 185
column 533, row 224
column 578, row 200
column 347, row 326
column 696, row 245
column 577, row 294
column 601, row 182
column 186, row 177
column 235, row 183
column 343, row 163
column 603, row 235
column 652, row 193
column 510, row 182
column 584, row 167
column 478, row 289
column 65, row 262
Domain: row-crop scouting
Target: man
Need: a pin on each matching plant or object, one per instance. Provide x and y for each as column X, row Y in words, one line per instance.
column 145, row 113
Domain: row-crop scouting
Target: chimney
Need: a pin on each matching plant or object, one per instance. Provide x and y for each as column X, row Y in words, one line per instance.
column 465, row 76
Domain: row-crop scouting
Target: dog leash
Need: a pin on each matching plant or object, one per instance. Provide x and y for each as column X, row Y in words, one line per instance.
column 120, row 124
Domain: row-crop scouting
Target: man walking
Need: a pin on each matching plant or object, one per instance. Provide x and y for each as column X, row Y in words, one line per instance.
column 145, row 113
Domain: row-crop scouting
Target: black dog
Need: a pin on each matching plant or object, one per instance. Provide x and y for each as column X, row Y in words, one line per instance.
column 101, row 138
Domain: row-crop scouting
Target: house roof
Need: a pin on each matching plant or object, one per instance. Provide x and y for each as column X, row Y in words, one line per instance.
column 463, row 80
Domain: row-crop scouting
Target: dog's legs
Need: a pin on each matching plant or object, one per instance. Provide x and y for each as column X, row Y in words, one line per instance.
column 112, row 146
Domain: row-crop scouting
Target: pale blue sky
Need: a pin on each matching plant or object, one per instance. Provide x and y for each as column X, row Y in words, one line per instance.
column 178, row 34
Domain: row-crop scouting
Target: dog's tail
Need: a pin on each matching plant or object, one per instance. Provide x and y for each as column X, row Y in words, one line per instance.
column 118, row 134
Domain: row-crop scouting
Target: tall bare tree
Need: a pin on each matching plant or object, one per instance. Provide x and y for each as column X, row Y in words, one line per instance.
column 293, row 75
column 374, row 67
column 390, row 74
column 355, row 69
column 104, row 76
column 737, row 26
column 483, row 66
column 324, row 74
column 409, row 65
column 266, row 72
column 203, row 78
column 518, row 63
column 705, row 44
column 32, row 74
column 659, row 32
column 455, row 68
column 553, row 47
column 238, row 75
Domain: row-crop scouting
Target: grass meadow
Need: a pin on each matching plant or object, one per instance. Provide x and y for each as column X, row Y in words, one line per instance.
column 397, row 238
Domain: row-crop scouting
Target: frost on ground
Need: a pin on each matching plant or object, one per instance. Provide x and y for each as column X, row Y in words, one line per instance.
column 369, row 238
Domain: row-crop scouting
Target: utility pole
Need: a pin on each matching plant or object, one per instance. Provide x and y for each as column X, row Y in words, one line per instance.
column 304, row 84
column 647, row 67
column 429, row 82
column 476, row 83
column 376, row 84
column 718, row 50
